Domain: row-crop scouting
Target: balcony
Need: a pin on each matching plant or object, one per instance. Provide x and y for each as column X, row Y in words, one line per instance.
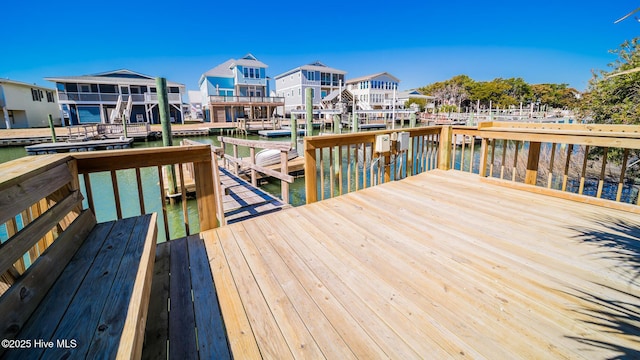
column 242, row 100
column 77, row 97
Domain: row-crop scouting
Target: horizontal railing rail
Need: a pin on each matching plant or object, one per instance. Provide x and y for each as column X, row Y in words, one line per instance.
column 113, row 97
column 338, row 164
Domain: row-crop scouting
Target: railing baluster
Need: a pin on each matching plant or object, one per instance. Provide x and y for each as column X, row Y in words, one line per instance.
column 349, row 168
column 565, row 177
column 504, row 158
column 551, row 163
column 493, row 156
column 602, row 172
column 183, row 198
column 321, row 164
column 340, row 171
column 331, row 173
column 140, row 194
column 87, row 187
column 623, row 169
column 515, row 161
column 357, row 166
column 584, row 170
column 464, row 142
column 471, row 157
column 116, row 194
column 164, row 203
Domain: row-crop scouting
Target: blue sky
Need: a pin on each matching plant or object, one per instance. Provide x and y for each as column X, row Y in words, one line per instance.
column 419, row 42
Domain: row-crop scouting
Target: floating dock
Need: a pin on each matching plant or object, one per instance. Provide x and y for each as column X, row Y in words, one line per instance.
column 371, row 126
column 91, row 145
column 278, row 133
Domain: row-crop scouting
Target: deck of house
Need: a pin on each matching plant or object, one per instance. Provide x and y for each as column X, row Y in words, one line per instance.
column 438, row 265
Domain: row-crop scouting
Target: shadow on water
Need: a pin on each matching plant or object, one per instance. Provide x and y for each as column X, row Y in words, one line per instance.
column 618, row 241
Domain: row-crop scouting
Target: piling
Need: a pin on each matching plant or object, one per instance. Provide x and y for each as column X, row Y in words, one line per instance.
column 53, row 130
column 336, row 124
column 309, row 108
column 294, row 131
column 165, row 120
column 412, row 120
column 124, row 126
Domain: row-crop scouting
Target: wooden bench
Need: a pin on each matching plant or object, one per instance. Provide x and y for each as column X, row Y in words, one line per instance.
column 71, row 288
column 186, row 322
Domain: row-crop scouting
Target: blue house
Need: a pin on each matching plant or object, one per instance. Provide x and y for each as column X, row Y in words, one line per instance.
column 112, row 96
column 237, row 88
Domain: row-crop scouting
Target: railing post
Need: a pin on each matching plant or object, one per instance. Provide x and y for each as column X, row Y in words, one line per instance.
column 531, row 176
column 444, row 150
column 252, row 155
column 205, row 194
column 310, row 181
column 484, row 153
column 284, row 168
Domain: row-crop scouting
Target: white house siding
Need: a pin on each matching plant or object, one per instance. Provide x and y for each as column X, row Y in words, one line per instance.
column 24, row 111
column 293, row 85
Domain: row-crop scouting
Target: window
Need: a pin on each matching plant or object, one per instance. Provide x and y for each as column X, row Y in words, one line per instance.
column 251, row 73
column 246, row 72
column 311, row 75
column 36, row 94
column 60, row 86
column 85, row 88
column 108, row 89
column 50, row 96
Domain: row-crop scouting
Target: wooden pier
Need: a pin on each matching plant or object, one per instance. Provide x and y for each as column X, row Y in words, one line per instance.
column 89, row 145
column 240, row 200
column 457, row 258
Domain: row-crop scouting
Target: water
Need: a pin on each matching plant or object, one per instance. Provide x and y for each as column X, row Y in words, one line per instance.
column 104, row 203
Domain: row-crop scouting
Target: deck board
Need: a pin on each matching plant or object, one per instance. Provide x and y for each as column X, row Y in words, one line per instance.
column 439, row 265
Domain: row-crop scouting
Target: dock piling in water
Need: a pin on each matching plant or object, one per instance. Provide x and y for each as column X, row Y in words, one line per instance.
column 163, row 109
column 294, row 131
column 53, row 130
column 309, row 108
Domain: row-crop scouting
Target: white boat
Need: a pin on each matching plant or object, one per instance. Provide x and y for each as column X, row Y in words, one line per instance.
column 268, row 157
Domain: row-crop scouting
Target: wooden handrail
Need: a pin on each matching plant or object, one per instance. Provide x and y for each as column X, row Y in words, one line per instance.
column 420, row 156
column 283, row 147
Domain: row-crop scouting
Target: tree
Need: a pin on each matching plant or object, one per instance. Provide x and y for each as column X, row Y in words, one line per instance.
column 555, row 95
column 613, row 97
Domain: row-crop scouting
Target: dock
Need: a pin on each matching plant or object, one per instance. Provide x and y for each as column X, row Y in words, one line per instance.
column 391, row 271
column 463, row 255
column 240, row 200
column 90, row 145
column 278, row 133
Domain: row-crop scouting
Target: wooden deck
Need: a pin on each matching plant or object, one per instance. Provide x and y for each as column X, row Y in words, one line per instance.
column 439, row 265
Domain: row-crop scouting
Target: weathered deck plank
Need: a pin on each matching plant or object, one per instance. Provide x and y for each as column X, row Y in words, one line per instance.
column 438, row 265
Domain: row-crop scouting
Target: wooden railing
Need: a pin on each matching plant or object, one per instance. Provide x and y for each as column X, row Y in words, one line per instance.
column 589, row 163
column 133, row 129
column 39, row 199
column 338, row 164
column 234, row 162
column 137, row 185
column 600, row 161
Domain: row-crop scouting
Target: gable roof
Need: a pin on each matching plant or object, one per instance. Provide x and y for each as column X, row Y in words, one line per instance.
column 226, row 68
column 315, row 66
column 370, row 77
column 20, row 83
column 122, row 76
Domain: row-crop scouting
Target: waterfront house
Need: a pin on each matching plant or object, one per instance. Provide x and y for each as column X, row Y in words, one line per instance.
column 373, row 92
column 403, row 96
column 108, row 97
column 27, row 105
column 319, row 77
column 237, row 88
